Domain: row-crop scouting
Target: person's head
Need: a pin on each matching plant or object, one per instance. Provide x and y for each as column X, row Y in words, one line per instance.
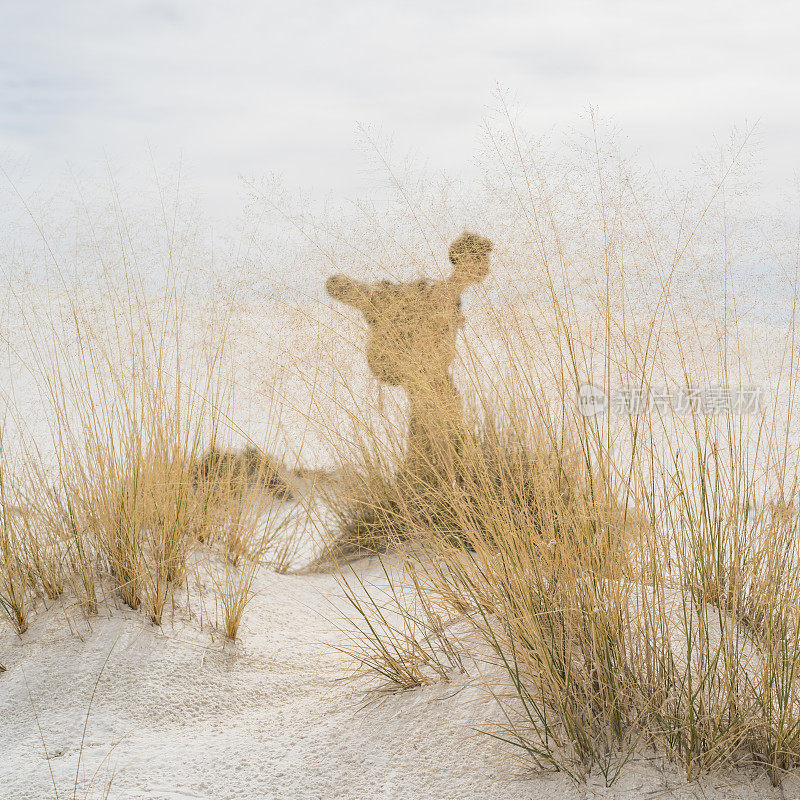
column 469, row 255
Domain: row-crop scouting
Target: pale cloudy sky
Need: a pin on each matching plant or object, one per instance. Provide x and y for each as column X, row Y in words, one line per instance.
column 255, row 88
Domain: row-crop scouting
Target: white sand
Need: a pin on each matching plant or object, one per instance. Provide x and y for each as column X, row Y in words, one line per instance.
column 177, row 713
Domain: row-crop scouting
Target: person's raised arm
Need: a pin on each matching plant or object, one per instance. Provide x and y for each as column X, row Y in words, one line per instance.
column 345, row 290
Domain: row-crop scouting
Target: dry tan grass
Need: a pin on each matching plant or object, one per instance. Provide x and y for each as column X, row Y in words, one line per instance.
column 634, row 576
column 138, row 491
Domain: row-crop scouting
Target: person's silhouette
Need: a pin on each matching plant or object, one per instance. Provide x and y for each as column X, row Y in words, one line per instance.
column 412, row 343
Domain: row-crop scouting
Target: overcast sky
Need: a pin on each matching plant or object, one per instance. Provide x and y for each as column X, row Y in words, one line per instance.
column 256, row 88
